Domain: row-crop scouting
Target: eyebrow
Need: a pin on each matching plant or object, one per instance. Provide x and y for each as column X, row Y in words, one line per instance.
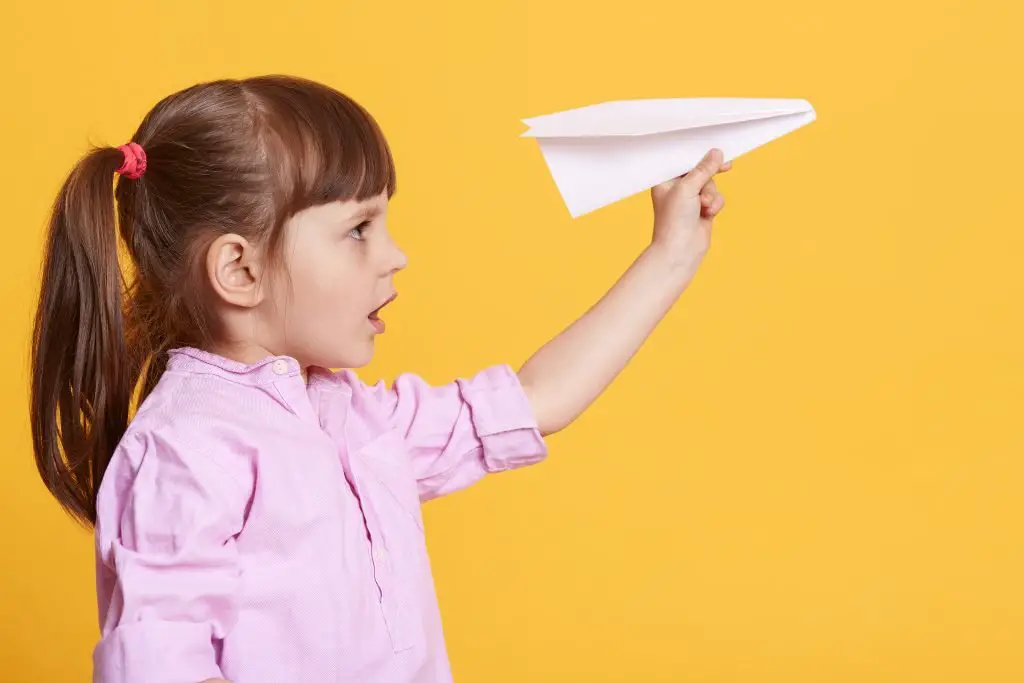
column 365, row 213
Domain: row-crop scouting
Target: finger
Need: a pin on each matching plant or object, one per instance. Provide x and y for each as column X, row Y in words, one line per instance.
column 695, row 180
column 708, row 193
column 727, row 166
column 717, row 205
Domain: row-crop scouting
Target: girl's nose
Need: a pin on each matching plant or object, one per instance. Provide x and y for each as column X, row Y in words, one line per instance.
column 397, row 258
column 402, row 261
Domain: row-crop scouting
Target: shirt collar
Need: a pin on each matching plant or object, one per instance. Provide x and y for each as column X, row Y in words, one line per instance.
column 191, row 360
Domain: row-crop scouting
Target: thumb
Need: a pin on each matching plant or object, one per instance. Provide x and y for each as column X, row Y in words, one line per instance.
column 694, row 181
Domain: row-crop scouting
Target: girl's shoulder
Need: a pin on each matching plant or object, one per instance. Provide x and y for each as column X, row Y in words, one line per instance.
column 205, row 440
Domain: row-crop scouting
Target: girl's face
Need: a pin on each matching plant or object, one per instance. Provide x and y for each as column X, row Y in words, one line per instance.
column 340, row 263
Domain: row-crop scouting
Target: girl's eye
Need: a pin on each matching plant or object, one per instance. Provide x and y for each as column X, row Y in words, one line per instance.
column 358, row 231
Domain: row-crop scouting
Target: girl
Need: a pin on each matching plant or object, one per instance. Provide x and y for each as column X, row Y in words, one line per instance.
column 258, row 518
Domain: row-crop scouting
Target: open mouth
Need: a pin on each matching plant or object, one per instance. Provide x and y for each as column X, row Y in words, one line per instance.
column 374, row 316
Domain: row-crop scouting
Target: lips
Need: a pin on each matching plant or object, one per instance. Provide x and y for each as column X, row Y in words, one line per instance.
column 376, row 311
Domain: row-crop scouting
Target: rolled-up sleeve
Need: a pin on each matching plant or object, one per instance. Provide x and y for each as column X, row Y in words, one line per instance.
column 165, row 543
column 459, row 432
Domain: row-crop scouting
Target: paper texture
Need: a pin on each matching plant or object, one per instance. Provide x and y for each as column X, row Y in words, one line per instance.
column 602, row 153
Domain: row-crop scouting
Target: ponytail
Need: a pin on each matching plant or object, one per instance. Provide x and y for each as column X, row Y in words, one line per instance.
column 82, row 375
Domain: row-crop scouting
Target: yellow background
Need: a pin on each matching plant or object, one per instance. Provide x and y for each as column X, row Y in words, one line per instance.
column 812, row 472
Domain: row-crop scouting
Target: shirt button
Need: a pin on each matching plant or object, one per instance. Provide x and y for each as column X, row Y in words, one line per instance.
column 379, row 554
column 280, row 367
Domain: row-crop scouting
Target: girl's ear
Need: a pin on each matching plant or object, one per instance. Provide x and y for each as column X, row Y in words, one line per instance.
column 233, row 267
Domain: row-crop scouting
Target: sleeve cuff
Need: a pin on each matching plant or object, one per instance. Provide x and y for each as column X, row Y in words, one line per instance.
column 156, row 652
column 503, row 419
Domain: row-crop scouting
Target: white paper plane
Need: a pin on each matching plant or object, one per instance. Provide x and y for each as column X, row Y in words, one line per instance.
column 605, row 152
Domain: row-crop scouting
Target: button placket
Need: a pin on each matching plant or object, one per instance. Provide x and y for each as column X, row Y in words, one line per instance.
column 380, row 558
column 293, row 391
column 395, row 619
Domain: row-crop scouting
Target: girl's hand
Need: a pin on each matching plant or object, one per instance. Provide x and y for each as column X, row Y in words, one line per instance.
column 684, row 208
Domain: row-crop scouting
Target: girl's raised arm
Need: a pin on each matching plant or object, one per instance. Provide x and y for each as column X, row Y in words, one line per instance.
column 571, row 370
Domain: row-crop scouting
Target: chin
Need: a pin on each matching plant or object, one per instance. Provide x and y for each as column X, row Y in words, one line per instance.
column 360, row 362
column 355, row 356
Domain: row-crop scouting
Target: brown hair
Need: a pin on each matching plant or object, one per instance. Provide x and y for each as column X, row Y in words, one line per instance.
column 228, row 156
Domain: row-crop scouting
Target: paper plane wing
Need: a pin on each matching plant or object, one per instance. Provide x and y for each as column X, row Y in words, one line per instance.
column 602, row 153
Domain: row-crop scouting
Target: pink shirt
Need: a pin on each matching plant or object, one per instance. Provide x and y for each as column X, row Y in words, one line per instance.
column 255, row 527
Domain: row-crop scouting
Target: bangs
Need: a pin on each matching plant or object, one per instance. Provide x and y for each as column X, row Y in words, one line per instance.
column 320, row 145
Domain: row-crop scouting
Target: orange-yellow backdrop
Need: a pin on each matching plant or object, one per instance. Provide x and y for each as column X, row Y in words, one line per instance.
column 813, row 470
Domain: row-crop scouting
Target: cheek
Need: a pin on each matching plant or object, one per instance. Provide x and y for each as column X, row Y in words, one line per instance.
column 328, row 291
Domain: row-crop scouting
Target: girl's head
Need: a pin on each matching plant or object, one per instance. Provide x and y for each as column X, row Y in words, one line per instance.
column 257, row 228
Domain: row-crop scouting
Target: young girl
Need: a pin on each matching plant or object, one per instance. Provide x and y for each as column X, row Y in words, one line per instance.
column 258, row 518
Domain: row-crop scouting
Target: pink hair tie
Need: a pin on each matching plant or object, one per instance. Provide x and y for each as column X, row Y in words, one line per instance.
column 134, row 161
